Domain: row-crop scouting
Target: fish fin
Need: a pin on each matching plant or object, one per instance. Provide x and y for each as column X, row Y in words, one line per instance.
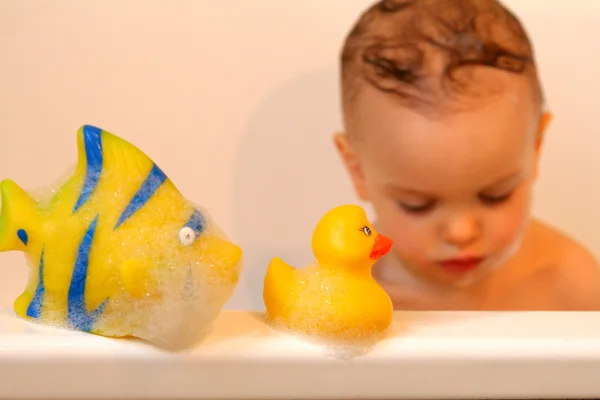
column 137, row 280
column 18, row 217
column 21, row 304
column 91, row 162
column 116, row 168
column 102, row 151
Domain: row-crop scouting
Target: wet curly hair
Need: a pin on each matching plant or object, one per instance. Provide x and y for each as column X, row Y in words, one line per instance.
column 418, row 50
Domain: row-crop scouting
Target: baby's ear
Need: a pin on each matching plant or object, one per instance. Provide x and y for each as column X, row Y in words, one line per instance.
column 542, row 127
column 352, row 163
column 541, row 133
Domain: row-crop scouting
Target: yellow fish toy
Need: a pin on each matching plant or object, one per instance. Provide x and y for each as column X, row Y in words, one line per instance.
column 117, row 251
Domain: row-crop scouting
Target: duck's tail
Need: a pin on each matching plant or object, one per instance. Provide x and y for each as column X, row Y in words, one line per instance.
column 278, row 280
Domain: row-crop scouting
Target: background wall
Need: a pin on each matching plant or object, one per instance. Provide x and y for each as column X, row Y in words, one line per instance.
column 237, row 101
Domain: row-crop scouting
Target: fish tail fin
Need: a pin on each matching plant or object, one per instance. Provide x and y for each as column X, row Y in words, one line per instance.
column 18, row 216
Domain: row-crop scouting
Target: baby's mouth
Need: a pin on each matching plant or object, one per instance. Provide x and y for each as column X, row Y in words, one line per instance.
column 461, row 264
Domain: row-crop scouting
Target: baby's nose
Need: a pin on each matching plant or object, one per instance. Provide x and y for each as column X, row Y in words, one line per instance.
column 461, row 231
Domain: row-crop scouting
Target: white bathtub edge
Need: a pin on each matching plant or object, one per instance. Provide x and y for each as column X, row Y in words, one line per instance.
column 437, row 355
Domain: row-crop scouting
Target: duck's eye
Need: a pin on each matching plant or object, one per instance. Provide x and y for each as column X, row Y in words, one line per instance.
column 366, row 230
column 187, row 236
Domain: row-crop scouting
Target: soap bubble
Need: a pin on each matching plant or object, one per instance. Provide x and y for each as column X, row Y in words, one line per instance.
column 111, row 252
column 327, row 315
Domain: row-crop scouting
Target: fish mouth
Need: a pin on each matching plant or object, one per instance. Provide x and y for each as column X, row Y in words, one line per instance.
column 383, row 245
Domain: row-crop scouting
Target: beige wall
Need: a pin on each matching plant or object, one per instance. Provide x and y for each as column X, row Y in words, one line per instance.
column 238, row 105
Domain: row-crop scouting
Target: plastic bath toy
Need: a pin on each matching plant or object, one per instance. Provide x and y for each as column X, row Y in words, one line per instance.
column 335, row 298
column 118, row 251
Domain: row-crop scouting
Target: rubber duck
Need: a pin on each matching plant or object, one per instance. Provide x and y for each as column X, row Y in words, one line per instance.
column 336, row 296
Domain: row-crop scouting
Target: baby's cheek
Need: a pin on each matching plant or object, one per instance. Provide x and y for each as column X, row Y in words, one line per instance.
column 411, row 242
column 508, row 226
column 412, row 236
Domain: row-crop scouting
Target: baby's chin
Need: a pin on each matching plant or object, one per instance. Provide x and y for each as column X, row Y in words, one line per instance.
column 509, row 252
column 472, row 278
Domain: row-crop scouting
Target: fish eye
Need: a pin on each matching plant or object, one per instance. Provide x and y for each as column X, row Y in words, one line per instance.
column 366, row 230
column 187, row 235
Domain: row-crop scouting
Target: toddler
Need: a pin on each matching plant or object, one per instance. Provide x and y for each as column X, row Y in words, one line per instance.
column 444, row 123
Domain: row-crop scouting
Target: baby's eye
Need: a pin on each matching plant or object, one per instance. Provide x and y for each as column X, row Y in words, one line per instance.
column 417, row 208
column 492, row 200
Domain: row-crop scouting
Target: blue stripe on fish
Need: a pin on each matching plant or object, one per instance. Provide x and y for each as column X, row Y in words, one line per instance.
column 77, row 316
column 23, row 236
column 35, row 307
column 92, row 138
column 153, row 181
column 196, row 222
column 188, row 289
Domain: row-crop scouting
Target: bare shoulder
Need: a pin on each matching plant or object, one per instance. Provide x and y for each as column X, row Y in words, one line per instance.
column 571, row 270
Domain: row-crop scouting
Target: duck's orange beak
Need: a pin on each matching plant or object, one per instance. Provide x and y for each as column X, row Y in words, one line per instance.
column 382, row 245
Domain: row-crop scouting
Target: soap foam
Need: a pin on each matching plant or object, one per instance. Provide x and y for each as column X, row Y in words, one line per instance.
column 326, row 314
column 193, row 282
column 44, row 194
column 192, row 293
column 343, row 349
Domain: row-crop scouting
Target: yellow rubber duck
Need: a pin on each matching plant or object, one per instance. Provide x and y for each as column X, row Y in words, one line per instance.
column 336, row 297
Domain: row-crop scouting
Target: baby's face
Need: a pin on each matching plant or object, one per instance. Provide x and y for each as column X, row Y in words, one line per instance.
column 454, row 194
